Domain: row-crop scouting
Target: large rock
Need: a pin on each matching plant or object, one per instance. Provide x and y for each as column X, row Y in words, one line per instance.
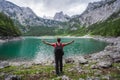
column 81, row 79
column 82, row 60
column 69, row 60
column 102, row 56
column 105, row 64
column 12, row 77
column 92, row 78
column 4, row 64
column 112, row 48
column 115, row 56
column 78, row 69
column 99, row 55
column 64, row 77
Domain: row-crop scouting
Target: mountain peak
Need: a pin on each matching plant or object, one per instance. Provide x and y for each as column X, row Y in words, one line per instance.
column 24, row 15
column 60, row 16
column 99, row 11
column 61, row 12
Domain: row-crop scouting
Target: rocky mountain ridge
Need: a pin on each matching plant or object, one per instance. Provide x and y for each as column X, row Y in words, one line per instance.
column 99, row 11
column 24, row 15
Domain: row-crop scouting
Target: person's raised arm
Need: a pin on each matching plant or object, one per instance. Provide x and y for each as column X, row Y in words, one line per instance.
column 45, row 42
column 69, row 42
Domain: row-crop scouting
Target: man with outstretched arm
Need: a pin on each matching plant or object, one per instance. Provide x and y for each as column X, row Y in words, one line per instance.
column 58, row 52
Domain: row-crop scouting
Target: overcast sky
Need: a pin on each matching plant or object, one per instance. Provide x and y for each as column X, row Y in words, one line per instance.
column 50, row 7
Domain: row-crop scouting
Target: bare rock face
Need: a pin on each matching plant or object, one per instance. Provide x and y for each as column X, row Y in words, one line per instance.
column 99, row 11
column 23, row 15
column 60, row 16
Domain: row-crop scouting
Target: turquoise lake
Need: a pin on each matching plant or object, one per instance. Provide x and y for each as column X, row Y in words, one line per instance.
column 31, row 48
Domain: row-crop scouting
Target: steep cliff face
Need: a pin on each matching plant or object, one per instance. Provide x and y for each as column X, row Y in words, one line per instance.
column 24, row 15
column 99, row 11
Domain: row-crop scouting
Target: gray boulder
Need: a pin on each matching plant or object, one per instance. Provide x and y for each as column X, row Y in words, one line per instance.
column 92, row 78
column 81, row 79
column 64, row 77
column 112, row 48
column 12, row 77
column 69, row 60
column 115, row 56
column 4, row 64
column 104, row 64
column 82, row 60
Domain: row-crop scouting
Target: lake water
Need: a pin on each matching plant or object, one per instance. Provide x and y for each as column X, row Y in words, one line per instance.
column 31, row 48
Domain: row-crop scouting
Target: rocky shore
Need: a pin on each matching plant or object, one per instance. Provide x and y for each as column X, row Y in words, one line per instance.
column 111, row 52
column 106, row 61
column 103, row 65
column 3, row 40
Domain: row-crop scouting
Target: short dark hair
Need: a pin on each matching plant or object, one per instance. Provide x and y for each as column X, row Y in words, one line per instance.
column 58, row 39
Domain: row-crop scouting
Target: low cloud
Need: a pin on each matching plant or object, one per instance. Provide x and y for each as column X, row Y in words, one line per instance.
column 50, row 7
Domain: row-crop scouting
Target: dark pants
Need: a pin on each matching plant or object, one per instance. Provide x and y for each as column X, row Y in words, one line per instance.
column 58, row 63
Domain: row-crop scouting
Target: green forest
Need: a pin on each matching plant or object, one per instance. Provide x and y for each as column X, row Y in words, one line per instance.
column 110, row 27
column 7, row 27
column 40, row 31
column 106, row 28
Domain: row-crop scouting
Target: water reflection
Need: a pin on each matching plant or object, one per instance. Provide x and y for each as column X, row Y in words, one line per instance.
column 31, row 48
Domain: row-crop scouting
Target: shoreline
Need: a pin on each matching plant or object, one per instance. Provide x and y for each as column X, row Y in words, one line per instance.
column 51, row 37
column 42, row 37
column 103, row 65
column 112, row 41
column 11, row 39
